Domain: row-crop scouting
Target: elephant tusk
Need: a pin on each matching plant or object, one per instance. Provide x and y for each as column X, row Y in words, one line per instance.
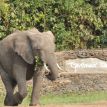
column 59, row 67
column 47, row 70
column 46, row 67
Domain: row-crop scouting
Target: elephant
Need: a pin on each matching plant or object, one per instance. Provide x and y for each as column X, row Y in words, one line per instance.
column 17, row 63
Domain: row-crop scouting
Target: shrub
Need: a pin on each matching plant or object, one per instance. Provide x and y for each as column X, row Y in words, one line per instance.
column 75, row 23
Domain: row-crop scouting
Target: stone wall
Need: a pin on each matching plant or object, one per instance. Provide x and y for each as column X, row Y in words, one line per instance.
column 77, row 82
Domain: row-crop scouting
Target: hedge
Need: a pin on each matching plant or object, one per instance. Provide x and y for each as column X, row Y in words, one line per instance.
column 76, row 24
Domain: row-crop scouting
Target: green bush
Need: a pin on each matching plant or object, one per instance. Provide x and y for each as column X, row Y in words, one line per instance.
column 75, row 23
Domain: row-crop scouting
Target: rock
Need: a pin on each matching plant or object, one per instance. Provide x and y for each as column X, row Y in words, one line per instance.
column 87, row 65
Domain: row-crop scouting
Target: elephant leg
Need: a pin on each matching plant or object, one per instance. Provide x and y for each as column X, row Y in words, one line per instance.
column 22, row 89
column 9, row 86
column 37, row 83
column 10, row 99
column 19, row 71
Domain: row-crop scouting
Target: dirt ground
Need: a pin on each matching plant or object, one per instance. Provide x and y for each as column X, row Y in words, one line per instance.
column 78, row 105
column 99, row 104
column 96, row 105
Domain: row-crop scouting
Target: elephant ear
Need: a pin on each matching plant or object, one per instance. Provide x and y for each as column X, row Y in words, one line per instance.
column 22, row 47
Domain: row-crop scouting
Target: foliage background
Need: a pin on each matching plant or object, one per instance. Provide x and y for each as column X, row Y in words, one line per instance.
column 75, row 23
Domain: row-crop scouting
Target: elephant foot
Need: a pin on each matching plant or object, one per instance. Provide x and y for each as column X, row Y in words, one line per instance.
column 10, row 104
column 35, row 105
column 18, row 98
column 10, row 101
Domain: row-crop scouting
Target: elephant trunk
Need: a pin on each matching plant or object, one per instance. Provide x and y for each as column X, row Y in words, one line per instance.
column 52, row 65
column 54, row 72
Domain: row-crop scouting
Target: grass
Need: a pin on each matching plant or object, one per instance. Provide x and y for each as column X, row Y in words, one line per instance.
column 67, row 98
column 71, row 98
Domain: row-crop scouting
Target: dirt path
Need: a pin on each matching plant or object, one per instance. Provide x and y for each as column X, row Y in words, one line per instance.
column 79, row 105
column 99, row 104
column 103, row 104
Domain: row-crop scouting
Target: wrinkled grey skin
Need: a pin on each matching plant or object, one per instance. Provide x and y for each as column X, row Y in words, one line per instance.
column 17, row 55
